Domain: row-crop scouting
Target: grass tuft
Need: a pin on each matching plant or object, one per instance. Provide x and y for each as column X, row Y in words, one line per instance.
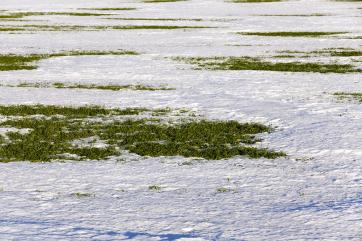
column 82, row 195
column 155, row 188
column 222, row 190
column 291, row 34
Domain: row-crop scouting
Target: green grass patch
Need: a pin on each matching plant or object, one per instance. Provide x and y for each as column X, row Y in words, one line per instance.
column 154, row 188
column 157, row 19
column 38, row 27
column 340, row 52
column 82, row 195
column 249, row 63
column 222, row 190
column 92, row 52
column 349, row 96
column 112, row 87
column 27, row 14
column 74, row 133
column 291, row 34
column 68, row 112
column 334, row 52
column 18, row 62
column 10, row 62
column 284, row 56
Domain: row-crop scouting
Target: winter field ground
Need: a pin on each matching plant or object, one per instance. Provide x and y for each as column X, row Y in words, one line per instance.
column 313, row 113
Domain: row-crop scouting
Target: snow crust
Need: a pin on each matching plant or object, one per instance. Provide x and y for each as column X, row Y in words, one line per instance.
column 314, row 194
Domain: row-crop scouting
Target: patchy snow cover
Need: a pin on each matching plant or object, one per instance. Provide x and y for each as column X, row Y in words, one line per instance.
column 315, row 193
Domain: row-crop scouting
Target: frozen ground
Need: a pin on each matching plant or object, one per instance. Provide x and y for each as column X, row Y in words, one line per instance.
column 315, row 193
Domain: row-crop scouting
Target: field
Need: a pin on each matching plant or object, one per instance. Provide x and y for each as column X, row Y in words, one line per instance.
column 180, row 120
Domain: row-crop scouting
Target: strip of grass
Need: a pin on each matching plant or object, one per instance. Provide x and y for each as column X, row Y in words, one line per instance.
column 342, row 53
column 335, row 52
column 56, row 133
column 59, row 85
column 27, row 14
column 157, row 19
column 291, row 34
column 248, row 63
column 10, row 62
column 349, row 96
column 34, row 27
column 130, row 27
column 68, row 112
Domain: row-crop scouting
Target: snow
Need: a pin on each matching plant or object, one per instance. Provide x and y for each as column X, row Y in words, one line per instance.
column 315, row 193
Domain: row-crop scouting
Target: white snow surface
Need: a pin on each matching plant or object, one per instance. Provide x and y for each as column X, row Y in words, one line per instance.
column 313, row 194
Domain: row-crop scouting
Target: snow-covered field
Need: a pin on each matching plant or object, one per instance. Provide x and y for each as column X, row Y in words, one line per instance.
column 313, row 194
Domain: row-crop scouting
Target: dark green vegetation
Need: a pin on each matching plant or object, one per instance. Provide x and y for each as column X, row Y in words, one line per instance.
column 157, row 19
column 154, row 188
column 67, row 112
column 26, row 62
column 333, row 52
column 27, row 14
column 291, row 34
column 130, row 27
column 249, row 63
column 41, row 27
column 45, row 133
column 82, row 195
column 340, row 52
column 112, row 87
column 222, row 190
column 18, row 62
column 349, row 96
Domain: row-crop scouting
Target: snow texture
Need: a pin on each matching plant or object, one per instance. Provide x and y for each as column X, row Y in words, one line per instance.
column 314, row 194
